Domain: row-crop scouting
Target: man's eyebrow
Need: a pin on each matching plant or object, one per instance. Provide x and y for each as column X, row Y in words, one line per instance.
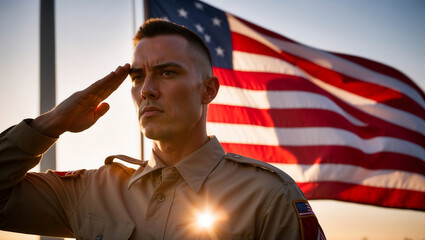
column 136, row 70
column 165, row 65
column 156, row 67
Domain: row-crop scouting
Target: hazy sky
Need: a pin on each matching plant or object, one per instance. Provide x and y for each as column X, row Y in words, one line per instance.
column 93, row 37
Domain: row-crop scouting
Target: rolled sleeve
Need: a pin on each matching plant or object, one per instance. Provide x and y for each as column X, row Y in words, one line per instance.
column 28, row 139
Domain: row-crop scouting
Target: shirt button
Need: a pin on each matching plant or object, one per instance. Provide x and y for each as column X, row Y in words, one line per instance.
column 99, row 237
column 161, row 197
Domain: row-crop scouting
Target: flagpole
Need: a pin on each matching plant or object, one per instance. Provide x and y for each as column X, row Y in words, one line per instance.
column 47, row 71
column 133, row 8
column 146, row 17
column 146, row 9
column 47, row 75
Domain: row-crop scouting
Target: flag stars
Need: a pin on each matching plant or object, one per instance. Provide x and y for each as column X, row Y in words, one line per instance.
column 219, row 51
column 165, row 18
column 216, row 21
column 199, row 28
column 207, row 38
column 199, row 6
column 182, row 13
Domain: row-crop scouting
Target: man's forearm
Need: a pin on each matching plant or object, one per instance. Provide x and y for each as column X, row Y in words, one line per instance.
column 21, row 148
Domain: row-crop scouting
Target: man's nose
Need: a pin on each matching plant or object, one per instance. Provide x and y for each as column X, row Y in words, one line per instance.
column 149, row 89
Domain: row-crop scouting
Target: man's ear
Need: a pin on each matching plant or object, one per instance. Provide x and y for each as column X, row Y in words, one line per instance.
column 210, row 89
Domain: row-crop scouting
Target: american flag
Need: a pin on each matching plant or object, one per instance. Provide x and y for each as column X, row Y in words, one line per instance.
column 304, row 208
column 344, row 127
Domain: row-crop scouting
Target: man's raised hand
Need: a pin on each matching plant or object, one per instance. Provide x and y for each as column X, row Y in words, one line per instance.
column 82, row 109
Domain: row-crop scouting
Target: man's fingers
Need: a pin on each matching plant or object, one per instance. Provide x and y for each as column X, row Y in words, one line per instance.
column 122, row 71
column 101, row 110
column 107, row 85
column 115, row 80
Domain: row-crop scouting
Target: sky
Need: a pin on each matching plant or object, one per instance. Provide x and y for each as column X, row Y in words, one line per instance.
column 94, row 37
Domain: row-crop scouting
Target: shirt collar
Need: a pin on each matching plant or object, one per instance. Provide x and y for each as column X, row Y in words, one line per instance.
column 194, row 168
column 152, row 165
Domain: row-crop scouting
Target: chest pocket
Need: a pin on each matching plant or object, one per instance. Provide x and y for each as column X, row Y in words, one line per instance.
column 99, row 228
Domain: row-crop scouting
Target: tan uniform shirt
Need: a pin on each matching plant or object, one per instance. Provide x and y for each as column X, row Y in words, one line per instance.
column 245, row 198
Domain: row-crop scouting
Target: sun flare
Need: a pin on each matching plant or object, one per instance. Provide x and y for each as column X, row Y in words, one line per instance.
column 205, row 220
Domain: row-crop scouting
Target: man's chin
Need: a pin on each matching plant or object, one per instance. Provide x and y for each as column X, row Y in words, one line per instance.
column 151, row 132
column 148, row 135
column 153, row 138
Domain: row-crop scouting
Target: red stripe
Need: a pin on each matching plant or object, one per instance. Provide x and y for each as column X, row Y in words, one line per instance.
column 395, row 198
column 372, row 91
column 246, row 44
column 381, row 68
column 328, row 154
column 284, row 118
column 270, row 81
column 264, row 81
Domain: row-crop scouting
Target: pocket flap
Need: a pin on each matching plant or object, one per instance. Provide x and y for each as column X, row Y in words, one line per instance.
column 95, row 227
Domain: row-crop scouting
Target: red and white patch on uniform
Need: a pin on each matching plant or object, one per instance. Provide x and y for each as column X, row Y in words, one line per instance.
column 310, row 227
column 72, row 173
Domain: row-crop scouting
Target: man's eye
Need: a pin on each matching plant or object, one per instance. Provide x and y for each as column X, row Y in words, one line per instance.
column 136, row 77
column 168, row 73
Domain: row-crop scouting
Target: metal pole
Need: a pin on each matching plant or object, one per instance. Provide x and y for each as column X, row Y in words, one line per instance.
column 47, row 74
column 47, row 70
column 146, row 9
column 133, row 6
column 146, row 17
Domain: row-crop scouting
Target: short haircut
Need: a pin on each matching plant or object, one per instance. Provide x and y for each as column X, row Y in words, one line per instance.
column 155, row 27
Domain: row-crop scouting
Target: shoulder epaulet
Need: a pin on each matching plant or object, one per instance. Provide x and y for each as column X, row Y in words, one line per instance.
column 260, row 164
column 66, row 174
column 125, row 158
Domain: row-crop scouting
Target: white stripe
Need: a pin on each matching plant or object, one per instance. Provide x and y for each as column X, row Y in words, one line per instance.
column 251, row 62
column 261, row 99
column 392, row 179
column 382, row 111
column 311, row 136
column 326, row 60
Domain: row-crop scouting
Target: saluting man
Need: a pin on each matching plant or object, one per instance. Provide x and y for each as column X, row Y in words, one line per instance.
column 189, row 189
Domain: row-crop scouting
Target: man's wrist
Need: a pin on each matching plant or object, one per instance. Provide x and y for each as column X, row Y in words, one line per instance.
column 46, row 125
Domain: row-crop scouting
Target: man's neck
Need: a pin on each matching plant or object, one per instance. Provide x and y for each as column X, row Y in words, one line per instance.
column 172, row 152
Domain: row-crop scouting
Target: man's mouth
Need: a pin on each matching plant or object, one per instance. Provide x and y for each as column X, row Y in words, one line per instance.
column 150, row 111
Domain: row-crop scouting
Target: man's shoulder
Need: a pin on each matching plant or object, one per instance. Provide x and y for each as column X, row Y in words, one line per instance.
column 126, row 165
column 262, row 166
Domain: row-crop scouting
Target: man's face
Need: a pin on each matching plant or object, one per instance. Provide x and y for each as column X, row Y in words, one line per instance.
column 167, row 87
